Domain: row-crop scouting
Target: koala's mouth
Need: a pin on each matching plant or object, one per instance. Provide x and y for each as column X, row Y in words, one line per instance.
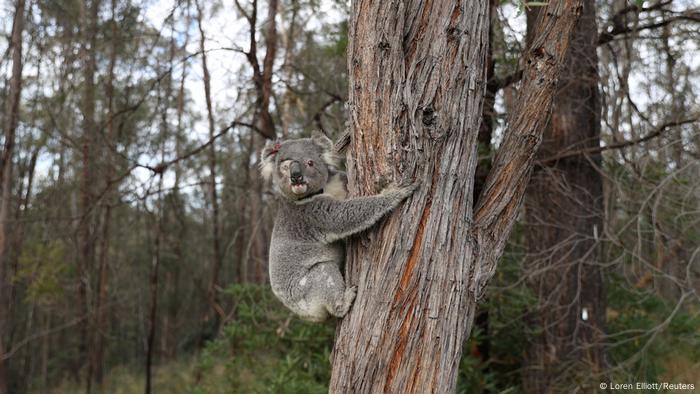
column 299, row 188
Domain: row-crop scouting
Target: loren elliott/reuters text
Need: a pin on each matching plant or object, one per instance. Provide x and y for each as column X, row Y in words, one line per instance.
column 647, row 386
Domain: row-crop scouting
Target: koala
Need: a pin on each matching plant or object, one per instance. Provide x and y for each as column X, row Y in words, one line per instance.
column 314, row 217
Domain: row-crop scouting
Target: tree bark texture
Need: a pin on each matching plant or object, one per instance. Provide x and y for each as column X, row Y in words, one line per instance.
column 417, row 80
column 10, row 127
column 564, row 216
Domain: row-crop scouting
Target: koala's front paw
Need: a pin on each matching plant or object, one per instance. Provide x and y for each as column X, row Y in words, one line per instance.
column 401, row 191
column 409, row 189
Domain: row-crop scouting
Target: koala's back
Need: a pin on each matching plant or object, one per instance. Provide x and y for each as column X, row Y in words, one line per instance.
column 296, row 248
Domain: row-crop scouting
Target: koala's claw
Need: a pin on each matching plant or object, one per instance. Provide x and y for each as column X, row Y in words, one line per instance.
column 350, row 294
column 349, row 298
column 408, row 190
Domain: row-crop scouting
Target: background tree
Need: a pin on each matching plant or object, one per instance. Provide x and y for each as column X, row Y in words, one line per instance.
column 11, row 117
column 564, row 225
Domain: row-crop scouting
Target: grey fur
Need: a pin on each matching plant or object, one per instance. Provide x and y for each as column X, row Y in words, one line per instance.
column 306, row 250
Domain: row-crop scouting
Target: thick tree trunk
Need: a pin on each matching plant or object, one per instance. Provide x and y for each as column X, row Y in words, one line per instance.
column 564, row 215
column 417, row 79
column 10, row 127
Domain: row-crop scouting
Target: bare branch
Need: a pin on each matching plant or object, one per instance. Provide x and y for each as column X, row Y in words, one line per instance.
column 617, row 30
column 657, row 132
column 160, row 168
column 505, row 186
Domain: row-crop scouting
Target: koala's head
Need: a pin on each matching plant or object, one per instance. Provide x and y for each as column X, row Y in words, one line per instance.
column 300, row 167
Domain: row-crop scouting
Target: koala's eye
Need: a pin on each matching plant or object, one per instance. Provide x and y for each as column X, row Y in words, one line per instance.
column 310, row 163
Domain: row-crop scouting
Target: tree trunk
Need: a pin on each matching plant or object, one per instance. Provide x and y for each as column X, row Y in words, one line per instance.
column 86, row 226
column 564, row 215
column 99, row 317
column 10, row 128
column 155, row 268
column 263, row 81
column 417, row 79
column 214, row 285
column 287, row 69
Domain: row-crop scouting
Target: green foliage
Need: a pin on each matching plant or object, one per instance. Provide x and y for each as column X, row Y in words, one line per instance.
column 265, row 349
column 45, row 270
column 504, row 335
column 647, row 331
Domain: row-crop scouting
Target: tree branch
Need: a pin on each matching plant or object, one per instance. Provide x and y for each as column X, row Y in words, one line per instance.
column 606, row 37
column 160, row 168
column 587, row 151
column 616, row 28
column 496, row 209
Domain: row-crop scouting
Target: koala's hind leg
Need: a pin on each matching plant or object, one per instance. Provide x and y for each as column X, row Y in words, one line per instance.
column 331, row 291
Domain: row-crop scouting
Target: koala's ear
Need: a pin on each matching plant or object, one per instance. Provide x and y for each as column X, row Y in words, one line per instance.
column 319, row 139
column 267, row 158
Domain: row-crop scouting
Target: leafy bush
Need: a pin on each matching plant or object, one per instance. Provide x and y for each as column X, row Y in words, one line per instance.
column 265, row 349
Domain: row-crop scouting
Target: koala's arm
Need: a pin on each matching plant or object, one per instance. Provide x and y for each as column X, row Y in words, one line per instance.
column 338, row 219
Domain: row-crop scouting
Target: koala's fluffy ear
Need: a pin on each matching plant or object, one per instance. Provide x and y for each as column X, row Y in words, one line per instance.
column 325, row 143
column 267, row 158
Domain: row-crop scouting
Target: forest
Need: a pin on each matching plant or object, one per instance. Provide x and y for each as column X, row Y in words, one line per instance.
column 552, row 244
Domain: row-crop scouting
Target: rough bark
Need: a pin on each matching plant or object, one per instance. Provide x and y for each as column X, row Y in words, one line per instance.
column 417, row 79
column 564, row 217
column 10, row 127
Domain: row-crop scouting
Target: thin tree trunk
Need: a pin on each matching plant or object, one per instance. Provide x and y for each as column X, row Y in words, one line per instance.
column 564, row 216
column 257, row 247
column 258, row 223
column 18, row 243
column 86, row 225
column 160, row 212
column 214, row 285
column 155, row 267
column 171, row 335
column 45, row 354
column 27, row 365
column 289, row 41
column 100, row 326
column 417, row 79
column 10, row 128
column 265, row 87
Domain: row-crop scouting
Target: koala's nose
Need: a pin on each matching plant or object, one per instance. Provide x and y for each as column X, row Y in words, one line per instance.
column 295, row 173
